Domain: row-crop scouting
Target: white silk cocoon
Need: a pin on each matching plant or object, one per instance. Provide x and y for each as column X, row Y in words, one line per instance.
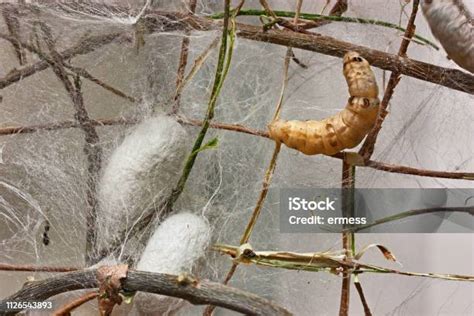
column 174, row 248
column 141, row 172
column 452, row 24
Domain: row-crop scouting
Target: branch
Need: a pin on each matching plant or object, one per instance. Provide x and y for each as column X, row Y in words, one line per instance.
column 333, row 262
column 80, row 71
column 30, row 268
column 84, row 47
column 451, row 78
column 419, row 172
column 91, row 147
column 66, row 309
column 368, row 147
column 10, row 16
column 198, row 292
column 348, row 238
column 337, row 11
column 399, row 216
column 358, row 286
column 183, row 61
column 317, row 20
column 156, row 21
column 377, row 165
column 64, row 125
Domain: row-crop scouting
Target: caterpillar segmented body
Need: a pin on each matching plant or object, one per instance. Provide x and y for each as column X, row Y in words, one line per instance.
column 344, row 130
column 452, row 24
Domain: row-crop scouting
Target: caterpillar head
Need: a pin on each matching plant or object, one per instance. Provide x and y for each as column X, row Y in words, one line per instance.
column 359, row 76
column 355, row 58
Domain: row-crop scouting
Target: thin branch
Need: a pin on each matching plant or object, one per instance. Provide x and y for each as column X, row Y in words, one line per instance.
column 87, row 75
column 377, row 165
column 262, row 196
column 91, row 147
column 171, row 21
column 359, row 289
column 197, row 292
column 451, row 78
column 229, row 127
column 339, row 8
column 65, row 125
column 198, row 62
column 419, row 172
column 402, row 215
column 66, row 309
column 368, row 147
column 77, row 70
column 84, row 47
column 31, row 268
column 183, row 60
column 10, row 15
column 317, row 20
column 347, row 185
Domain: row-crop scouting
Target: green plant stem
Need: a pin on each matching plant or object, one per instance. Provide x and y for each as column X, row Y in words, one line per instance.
column 316, row 17
column 223, row 64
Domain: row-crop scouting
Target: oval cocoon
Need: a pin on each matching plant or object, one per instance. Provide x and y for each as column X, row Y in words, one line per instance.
column 451, row 23
column 141, row 172
column 174, row 248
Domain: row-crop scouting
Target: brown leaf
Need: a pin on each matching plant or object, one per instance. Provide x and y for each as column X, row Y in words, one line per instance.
column 386, row 253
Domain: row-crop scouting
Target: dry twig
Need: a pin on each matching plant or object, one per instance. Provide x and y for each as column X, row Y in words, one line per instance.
column 91, row 147
column 201, row 292
column 67, row 309
column 31, row 268
column 368, row 147
column 360, row 291
column 173, row 21
column 183, row 60
column 347, row 184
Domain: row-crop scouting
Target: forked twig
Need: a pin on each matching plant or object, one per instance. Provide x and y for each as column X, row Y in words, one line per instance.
column 368, row 146
column 91, row 147
column 77, row 70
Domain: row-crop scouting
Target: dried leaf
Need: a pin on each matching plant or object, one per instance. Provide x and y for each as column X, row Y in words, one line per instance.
column 386, row 253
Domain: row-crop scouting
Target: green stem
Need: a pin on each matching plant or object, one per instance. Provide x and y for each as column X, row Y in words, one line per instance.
column 315, row 17
column 223, row 64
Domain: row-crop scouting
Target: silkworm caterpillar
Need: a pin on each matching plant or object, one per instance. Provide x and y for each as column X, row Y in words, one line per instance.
column 453, row 25
column 344, row 130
